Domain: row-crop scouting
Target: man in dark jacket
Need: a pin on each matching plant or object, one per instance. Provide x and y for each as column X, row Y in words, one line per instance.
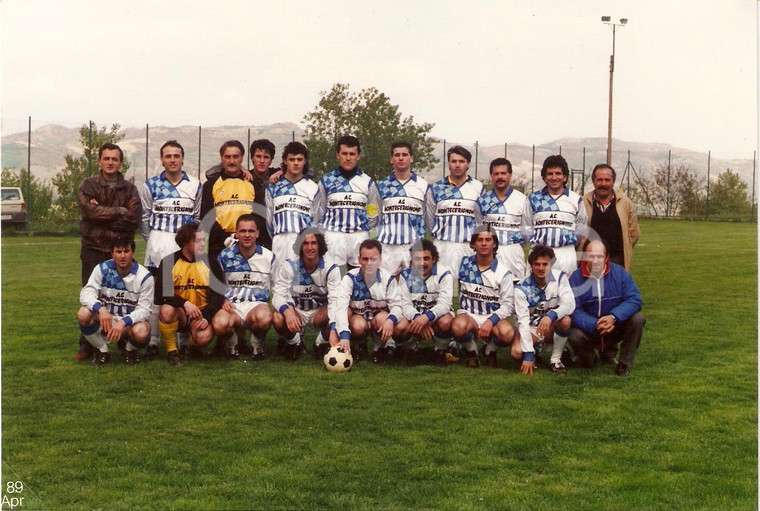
column 111, row 210
column 607, row 311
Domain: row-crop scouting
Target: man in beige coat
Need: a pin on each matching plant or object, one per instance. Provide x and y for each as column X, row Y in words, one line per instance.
column 618, row 225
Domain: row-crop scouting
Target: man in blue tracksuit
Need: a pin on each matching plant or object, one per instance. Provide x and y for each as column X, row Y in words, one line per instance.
column 607, row 311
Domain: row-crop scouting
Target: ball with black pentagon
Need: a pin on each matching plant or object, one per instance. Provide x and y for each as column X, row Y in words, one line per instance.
column 337, row 360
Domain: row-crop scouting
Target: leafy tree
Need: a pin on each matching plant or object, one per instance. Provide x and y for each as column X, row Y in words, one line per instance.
column 670, row 190
column 78, row 168
column 728, row 195
column 369, row 116
column 39, row 199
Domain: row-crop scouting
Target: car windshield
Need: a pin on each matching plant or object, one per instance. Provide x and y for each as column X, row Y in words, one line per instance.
column 10, row 195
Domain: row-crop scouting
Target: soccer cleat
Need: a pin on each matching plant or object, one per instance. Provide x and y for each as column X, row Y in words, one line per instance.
column 151, row 352
column 257, row 356
column 85, row 352
column 439, row 358
column 361, row 352
column 99, row 358
column 294, row 351
column 621, row 369
column 172, row 358
column 131, row 357
column 231, row 352
column 472, row 360
column 282, row 348
column 378, row 357
column 390, row 353
column 558, row 368
column 320, row 350
column 491, row 360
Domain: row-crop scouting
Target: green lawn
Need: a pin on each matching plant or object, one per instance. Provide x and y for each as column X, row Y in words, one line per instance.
column 679, row 433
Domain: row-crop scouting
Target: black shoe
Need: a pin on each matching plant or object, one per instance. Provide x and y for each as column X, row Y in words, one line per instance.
column 244, row 348
column 411, row 357
column 231, row 352
column 172, row 358
column 257, row 356
column 320, row 350
column 294, row 351
column 390, row 353
column 558, row 368
column 439, row 358
column 282, row 348
column 151, row 352
column 621, row 369
column 378, row 357
column 491, row 360
column 99, row 358
column 131, row 357
column 472, row 360
column 361, row 352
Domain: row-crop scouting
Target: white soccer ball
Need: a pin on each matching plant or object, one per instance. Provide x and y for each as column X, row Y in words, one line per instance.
column 337, row 360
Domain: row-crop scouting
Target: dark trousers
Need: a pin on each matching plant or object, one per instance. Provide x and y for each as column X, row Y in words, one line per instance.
column 90, row 259
column 627, row 334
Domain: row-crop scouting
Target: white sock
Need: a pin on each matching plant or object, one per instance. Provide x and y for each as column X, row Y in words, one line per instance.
column 320, row 339
column 470, row 345
column 155, row 335
column 295, row 339
column 98, row 340
column 232, row 340
column 490, row 348
column 257, row 344
column 559, row 345
column 440, row 344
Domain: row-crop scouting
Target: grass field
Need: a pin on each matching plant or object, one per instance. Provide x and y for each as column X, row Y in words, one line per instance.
column 679, row 433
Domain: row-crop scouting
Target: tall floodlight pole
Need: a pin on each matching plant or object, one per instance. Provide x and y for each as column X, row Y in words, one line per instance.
column 608, row 21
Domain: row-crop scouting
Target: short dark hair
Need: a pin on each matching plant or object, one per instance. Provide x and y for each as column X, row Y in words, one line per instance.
column 401, row 143
column 264, row 144
column 422, row 245
column 296, row 148
column 500, row 161
column 108, row 146
column 555, row 160
column 123, row 243
column 461, row 151
column 172, row 143
column 603, row 166
column 232, row 143
column 321, row 243
column 481, row 229
column 246, row 217
column 369, row 245
column 186, row 234
column 348, row 141
column 541, row 251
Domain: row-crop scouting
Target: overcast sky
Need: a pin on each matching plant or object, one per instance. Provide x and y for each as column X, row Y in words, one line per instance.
column 493, row 71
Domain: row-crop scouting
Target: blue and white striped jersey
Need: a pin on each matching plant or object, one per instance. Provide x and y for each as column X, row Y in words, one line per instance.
column 128, row 298
column 343, row 205
column 556, row 222
column 289, row 205
column 506, row 218
column 366, row 299
column 450, row 210
column 247, row 280
column 167, row 207
column 532, row 303
column 431, row 296
column 296, row 287
column 487, row 292
column 402, row 210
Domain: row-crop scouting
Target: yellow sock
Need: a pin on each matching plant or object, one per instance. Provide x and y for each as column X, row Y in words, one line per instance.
column 169, row 334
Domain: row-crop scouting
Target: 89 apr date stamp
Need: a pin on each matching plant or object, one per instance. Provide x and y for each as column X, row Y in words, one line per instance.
column 12, row 498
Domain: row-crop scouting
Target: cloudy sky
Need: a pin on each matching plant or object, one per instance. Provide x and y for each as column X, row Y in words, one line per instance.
column 493, row 71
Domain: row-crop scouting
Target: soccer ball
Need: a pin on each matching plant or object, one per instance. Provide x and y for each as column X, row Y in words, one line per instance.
column 337, row 360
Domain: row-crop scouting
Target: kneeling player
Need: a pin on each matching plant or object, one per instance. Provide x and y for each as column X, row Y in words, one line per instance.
column 245, row 268
column 486, row 295
column 116, row 304
column 369, row 302
column 305, row 294
column 426, row 291
column 187, row 302
column 543, row 303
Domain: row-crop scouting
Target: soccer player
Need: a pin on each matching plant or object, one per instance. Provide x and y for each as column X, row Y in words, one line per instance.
column 184, row 293
column 402, row 209
column 246, row 268
column 262, row 154
column 503, row 210
column 169, row 200
column 543, row 304
column 110, row 208
column 369, row 302
column 607, row 311
column 289, row 202
column 229, row 194
column 450, row 209
column 612, row 216
column 346, row 204
column 556, row 216
column 116, row 304
column 305, row 294
column 486, row 297
column 427, row 289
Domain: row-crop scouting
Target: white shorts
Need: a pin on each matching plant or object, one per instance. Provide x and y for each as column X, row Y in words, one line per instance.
column 282, row 246
column 396, row 258
column 243, row 308
column 478, row 318
column 307, row 317
column 450, row 254
column 160, row 244
column 343, row 248
column 513, row 257
column 567, row 260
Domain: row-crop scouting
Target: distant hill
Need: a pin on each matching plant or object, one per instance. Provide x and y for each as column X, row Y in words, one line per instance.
column 50, row 143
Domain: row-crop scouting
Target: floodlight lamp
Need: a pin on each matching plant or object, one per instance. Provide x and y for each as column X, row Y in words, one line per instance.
column 623, row 21
column 606, row 19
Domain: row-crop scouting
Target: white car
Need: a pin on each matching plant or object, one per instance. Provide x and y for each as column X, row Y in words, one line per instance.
column 12, row 207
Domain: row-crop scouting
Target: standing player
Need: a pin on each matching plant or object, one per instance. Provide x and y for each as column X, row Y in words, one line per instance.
column 169, row 201
column 556, row 215
column 246, row 268
column 229, row 194
column 346, row 204
column 262, row 154
column 543, row 304
column 450, row 209
column 486, row 296
column 116, row 303
column 502, row 209
column 426, row 293
column 184, row 293
column 305, row 294
column 402, row 209
column 369, row 302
